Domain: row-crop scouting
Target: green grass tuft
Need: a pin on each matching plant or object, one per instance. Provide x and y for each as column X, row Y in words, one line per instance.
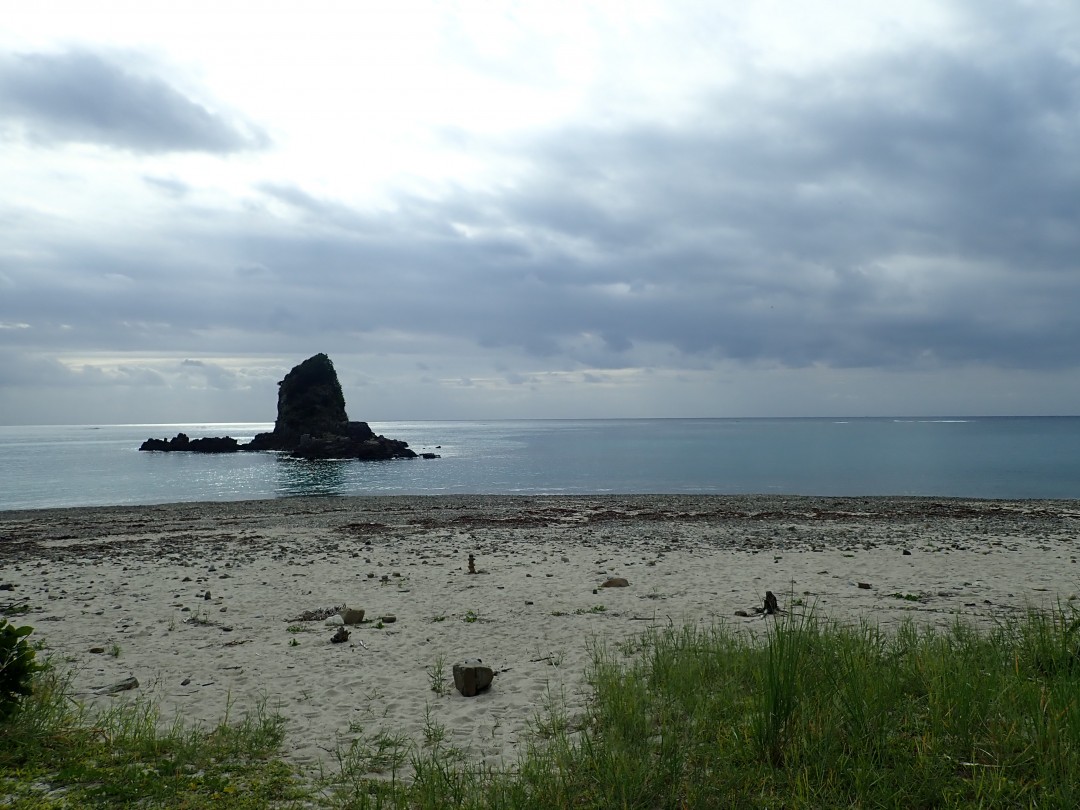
column 53, row 753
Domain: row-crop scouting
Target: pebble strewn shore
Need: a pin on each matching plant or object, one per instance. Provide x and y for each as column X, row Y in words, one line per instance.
column 208, row 606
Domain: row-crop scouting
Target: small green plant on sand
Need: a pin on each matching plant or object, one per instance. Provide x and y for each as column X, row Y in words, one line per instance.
column 471, row 617
column 435, row 733
column 199, row 617
column 17, row 666
column 593, row 609
column 15, row 608
column 440, row 685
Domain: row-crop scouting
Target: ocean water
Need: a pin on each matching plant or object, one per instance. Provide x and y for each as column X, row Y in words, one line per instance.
column 1001, row 457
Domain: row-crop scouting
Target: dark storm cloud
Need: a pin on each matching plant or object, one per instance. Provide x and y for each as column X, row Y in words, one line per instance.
column 911, row 207
column 915, row 209
column 86, row 97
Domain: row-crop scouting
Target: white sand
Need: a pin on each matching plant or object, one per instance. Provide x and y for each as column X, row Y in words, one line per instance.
column 137, row 577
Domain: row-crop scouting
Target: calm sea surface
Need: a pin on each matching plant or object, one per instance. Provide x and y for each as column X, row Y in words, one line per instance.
column 1015, row 457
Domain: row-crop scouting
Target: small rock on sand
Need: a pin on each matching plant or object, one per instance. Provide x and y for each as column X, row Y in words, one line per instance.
column 352, row 615
column 471, row 677
column 120, row 686
column 340, row 637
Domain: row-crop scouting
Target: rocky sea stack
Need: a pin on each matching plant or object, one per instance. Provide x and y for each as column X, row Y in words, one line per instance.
column 311, row 423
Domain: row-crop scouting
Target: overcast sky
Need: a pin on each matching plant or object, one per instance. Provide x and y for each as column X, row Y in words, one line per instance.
column 540, row 209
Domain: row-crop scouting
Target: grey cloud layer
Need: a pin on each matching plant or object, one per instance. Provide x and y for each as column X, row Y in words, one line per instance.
column 915, row 209
column 86, row 97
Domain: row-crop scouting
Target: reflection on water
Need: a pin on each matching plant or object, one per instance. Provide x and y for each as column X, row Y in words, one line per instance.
column 300, row 477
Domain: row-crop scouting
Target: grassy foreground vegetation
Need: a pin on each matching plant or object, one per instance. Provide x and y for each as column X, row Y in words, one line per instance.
column 54, row 754
column 812, row 715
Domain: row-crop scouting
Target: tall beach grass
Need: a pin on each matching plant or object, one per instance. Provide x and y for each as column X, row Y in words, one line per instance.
column 806, row 714
column 56, row 754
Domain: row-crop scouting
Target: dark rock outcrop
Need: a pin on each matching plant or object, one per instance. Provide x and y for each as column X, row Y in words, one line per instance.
column 210, row 444
column 310, row 403
column 311, row 423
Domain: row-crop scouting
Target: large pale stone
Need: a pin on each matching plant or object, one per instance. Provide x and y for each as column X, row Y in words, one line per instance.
column 352, row 616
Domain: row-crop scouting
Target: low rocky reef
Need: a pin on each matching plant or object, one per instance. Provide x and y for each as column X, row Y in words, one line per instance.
column 311, row 424
column 181, row 442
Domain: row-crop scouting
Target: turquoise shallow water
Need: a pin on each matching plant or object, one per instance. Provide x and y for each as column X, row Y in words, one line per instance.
column 1015, row 457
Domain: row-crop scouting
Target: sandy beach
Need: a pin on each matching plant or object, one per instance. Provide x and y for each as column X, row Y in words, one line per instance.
column 210, row 605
